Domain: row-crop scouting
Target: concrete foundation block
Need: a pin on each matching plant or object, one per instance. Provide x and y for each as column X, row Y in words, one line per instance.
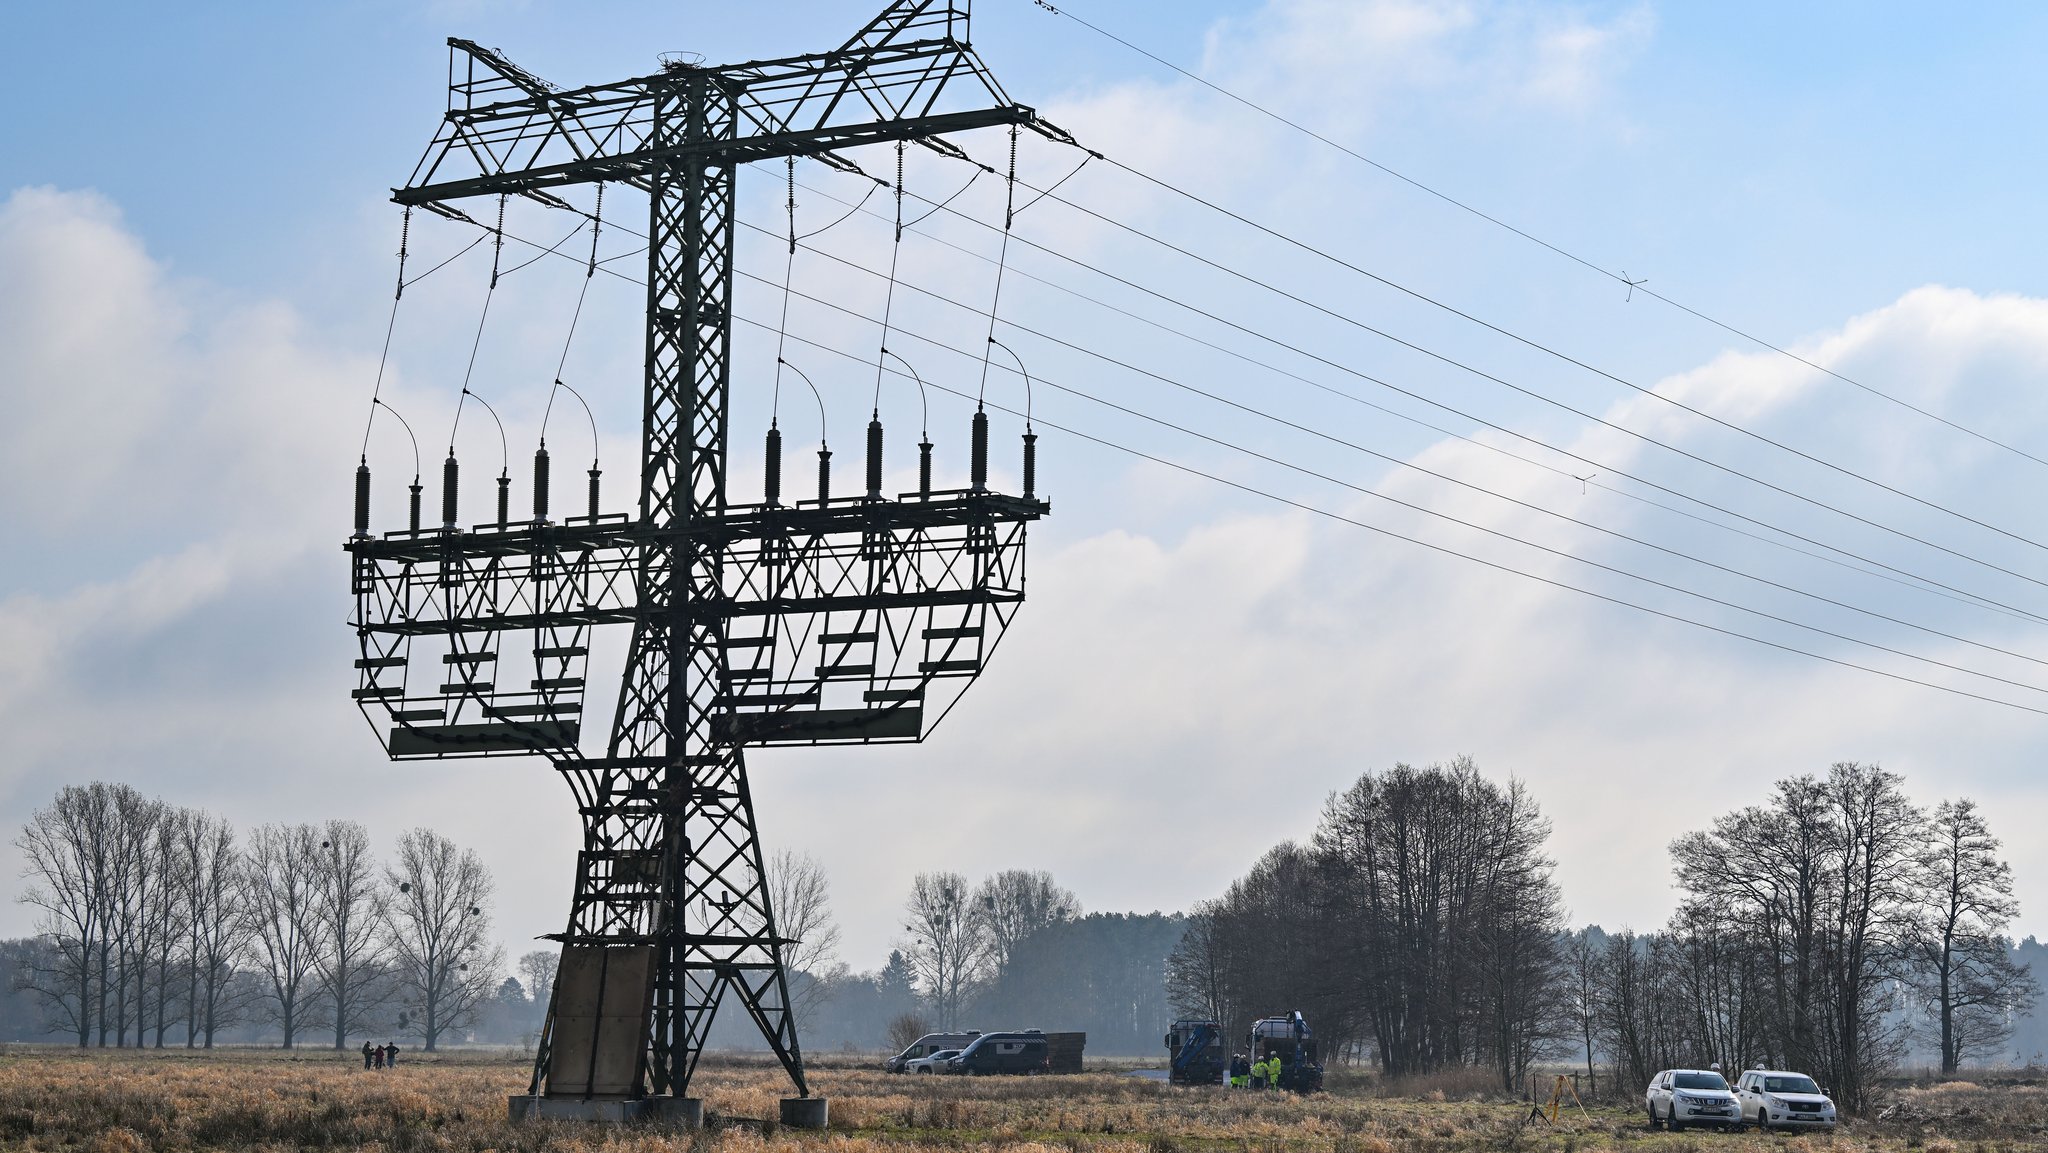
column 683, row 1112
column 678, row 1111
column 804, row 1112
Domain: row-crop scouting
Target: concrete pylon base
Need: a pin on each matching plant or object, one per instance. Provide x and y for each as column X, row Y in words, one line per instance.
column 687, row 1112
column 804, row 1112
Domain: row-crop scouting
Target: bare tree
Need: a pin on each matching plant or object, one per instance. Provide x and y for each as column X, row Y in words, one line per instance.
column 1016, row 903
column 66, row 850
column 948, row 945
column 440, row 930
column 162, row 925
column 801, row 895
column 1880, row 834
column 1582, row 961
column 349, row 905
column 905, row 1028
column 1965, row 975
column 1825, row 879
column 536, row 971
column 1196, row 970
column 280, row 902
column 1425, row 916
column 217, row 928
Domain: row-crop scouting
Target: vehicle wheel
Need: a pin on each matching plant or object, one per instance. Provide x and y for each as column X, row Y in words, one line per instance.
column 1672, row 1122
column 1654, row 1125
column 926, row 1069
column 1763, row 1121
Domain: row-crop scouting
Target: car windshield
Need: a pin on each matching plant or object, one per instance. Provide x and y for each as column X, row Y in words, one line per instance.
column 1699, row 1081
column 1791, row 1085
column 944, row 1053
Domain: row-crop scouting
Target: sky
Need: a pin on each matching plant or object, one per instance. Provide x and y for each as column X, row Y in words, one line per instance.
column 197, row 256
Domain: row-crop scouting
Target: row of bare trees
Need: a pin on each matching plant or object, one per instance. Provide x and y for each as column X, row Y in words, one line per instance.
column 959, row 937
column 157, row 918
column 1420, row 923
column 1825, row 930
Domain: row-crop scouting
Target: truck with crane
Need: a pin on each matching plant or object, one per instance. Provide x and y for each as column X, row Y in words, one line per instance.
column 1195, row 1052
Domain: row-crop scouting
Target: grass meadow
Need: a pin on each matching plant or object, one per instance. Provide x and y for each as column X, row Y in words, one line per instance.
column 126, row 1102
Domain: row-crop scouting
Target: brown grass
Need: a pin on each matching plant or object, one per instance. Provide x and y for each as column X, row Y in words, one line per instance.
column 128, row 1102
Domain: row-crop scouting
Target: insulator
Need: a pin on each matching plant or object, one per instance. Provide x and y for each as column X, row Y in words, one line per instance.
column 1030, row 463
column 924, row 469
column 450, row 471
column 540, row 485
column 363, row 499
column 875, row 458
column 594, row 474
column 504, row 499
column 824, row 476
column 771, row 486
column 980, row 452
column 415, row 490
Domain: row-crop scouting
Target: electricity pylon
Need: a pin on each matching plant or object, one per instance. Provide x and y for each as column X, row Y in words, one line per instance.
column 834, row 620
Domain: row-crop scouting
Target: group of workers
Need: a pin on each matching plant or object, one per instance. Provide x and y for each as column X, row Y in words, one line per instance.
column 1246, row 1073
column 380, row 1056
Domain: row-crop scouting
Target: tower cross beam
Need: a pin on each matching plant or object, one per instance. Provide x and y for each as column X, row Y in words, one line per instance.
column 507, row 131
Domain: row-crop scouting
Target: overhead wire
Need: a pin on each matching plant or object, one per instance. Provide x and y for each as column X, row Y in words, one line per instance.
column 1537, row 394
column 589, row 274
column 1444, row 549
column 1427, row 511
column 1985, row 600
column 1398, row 462
column 1910, row 583
column 390, row 326
column 1619, row 277
column 498, row 250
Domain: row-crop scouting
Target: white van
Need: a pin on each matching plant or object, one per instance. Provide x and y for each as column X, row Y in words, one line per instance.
column 928, row 1044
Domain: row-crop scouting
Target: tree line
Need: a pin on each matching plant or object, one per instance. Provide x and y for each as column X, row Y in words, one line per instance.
column 1014, row 950
column 1421, row 927
column 156, row 918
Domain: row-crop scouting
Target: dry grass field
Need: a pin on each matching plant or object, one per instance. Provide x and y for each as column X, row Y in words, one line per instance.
column 59, row 1099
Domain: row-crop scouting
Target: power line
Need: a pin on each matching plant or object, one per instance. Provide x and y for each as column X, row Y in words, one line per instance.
column 1619, row 277
column 1427, row 511
column 1915, row 583
column 1532, row 393
column 1979, row 598
column 1443, row 549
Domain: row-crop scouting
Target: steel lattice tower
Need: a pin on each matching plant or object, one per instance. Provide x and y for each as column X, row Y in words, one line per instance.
column 818, row 622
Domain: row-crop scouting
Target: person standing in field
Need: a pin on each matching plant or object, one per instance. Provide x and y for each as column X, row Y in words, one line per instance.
column 366, row 1055
column 391, row 1054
